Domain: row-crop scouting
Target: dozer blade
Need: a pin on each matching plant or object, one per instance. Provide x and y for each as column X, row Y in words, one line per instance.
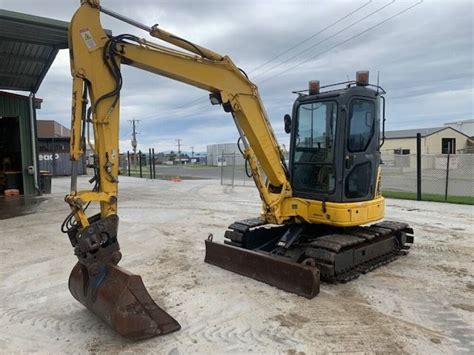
column 121, row 300
column 292, row 277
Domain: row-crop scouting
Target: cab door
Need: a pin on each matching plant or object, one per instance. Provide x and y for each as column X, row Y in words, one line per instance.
column 314, row 148
column 362, row 156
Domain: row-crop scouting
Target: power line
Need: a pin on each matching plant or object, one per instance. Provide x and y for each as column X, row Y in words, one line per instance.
column 180, row 108
column 345, row 41
column 335, row 46
column 201, row 99
column 310, row 37
column 178, row 113
column 197, row 100
column 324, row 40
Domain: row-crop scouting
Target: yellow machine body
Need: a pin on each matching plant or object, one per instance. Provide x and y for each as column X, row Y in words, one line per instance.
column 216, row 74
column 120, row 298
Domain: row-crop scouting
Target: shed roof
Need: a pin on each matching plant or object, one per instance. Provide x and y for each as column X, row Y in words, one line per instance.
column 28, row 46
column 411, row 133
column 460, row 122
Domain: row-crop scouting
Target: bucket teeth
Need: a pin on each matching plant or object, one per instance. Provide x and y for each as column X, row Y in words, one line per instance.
column 121, row 300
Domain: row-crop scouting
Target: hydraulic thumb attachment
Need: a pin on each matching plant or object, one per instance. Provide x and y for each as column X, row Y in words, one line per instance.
column 115, row 295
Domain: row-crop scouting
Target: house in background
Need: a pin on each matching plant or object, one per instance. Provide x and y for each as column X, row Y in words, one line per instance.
column 436, row 140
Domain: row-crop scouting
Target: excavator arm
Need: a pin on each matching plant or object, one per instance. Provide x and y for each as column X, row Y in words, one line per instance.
column 95, row 64
column 115, row 295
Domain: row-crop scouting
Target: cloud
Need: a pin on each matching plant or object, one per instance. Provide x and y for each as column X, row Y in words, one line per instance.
column 424, row 57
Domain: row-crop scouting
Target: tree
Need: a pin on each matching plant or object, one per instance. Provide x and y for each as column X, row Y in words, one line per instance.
column 172, row 156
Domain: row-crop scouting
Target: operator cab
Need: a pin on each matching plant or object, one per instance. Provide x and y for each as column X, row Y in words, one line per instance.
column 335, row 142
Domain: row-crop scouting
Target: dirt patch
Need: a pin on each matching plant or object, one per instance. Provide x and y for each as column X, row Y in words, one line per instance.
column 389, row 275
column 291, row 320
column 464, row 307
column 294, row 352
column 462, row 272
column 19, row 206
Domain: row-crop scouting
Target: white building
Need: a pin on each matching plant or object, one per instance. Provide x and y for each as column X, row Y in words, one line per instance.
column 464, row 126
column 224, row 154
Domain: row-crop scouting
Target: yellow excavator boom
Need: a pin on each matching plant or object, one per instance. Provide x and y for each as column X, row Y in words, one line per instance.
column 210, row 71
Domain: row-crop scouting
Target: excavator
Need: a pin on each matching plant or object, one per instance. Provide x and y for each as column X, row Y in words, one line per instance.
column 321, row 212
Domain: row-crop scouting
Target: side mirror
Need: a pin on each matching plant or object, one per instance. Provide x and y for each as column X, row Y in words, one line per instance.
column 287, row 120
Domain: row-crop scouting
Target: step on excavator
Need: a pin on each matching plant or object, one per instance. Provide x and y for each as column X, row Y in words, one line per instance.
column 321, row 211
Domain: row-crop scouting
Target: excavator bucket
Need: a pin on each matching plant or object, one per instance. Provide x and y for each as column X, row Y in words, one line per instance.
column 115, row 295
column 121, row 300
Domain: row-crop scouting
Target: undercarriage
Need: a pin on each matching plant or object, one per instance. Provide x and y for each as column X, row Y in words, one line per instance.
column 296, row 257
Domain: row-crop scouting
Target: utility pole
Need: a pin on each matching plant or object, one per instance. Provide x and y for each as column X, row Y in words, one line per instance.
column 134, row 138
column 179, row 150
column 192, row 155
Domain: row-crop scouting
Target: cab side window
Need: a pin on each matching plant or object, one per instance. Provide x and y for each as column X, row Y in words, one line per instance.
column 361, row 124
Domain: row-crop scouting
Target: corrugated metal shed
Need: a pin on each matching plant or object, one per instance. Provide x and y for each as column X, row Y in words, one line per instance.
column 59, row 164
column 19, row 106
column 28, row 46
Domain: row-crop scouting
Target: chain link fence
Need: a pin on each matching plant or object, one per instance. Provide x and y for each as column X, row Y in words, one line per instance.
column 137, row 165
column 442, row 175
column 233, row 171
column 153, row 165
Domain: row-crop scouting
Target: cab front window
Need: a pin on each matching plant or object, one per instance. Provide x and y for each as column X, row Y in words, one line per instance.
column 313, row 161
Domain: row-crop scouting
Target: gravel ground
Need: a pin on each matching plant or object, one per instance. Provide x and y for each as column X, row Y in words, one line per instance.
column 421, row 303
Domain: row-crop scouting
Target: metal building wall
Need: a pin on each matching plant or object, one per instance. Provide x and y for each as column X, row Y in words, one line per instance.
column 59, row 164
column 53, row 156
column 18, row 106
column 215, row 151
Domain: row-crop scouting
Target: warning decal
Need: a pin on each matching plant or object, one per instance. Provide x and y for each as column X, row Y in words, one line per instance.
column 88, row 39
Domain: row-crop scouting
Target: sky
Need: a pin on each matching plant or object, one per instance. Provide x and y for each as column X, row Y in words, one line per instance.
column 422, row 50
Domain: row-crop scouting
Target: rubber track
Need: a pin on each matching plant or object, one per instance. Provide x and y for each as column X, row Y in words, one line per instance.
column 364, row 268
column 383, row 229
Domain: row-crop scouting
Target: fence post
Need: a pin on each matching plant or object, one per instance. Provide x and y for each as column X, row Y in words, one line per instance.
column 447, row 173
column 128, row 162
column 153, row 162
column 222, row 168
column 233, row 169
column 140, row 162
column 418, row 166
column 149, row 161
